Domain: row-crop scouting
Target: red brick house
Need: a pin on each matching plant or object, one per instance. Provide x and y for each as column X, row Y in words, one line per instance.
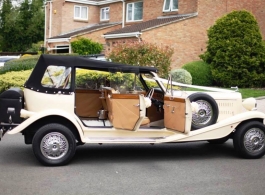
column 181, row 24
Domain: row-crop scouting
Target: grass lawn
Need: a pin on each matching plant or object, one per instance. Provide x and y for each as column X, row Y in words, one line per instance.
column 250, row 92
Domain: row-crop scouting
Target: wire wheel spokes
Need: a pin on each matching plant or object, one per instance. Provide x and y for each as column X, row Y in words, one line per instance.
column 254, row 140
column 54, row 145
column 204, row 114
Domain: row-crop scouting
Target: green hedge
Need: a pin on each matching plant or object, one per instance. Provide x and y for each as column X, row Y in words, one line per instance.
column 200, row 72
column 13, row 79
column 84, row 46
column 23, row 63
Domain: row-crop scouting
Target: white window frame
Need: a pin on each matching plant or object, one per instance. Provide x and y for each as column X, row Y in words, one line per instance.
column 80, row 13
column 170, row 9
column 104, row 17
column 132, row 20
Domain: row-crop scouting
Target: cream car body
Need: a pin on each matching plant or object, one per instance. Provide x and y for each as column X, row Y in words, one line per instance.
column 55, row 115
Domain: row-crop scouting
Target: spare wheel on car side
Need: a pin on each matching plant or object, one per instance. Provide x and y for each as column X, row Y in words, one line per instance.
column 208, row 111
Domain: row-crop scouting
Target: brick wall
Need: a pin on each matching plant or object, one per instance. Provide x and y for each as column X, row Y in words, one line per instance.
column 53, row 13
column 116, row 12
column 185, row 37
column 211, row 10
column 62, row 15
column 258, row 10
column 152, row 9
column 69, row 23
column 187, row 6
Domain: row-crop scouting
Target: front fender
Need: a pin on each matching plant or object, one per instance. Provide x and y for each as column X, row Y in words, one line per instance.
column 215, row 131
column 50, row 112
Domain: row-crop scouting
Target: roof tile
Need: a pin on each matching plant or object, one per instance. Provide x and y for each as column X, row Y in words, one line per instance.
column 151, row 24
column 86, row 29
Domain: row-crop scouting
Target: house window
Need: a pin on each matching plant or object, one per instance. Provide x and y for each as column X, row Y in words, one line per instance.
column 170, row 5
column 80, row 12
column 104, row 13
column 134, row 11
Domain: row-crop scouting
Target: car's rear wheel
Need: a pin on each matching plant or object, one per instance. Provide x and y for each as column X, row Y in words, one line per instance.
column 54, row 144
column 249, row 140
column 207, row 111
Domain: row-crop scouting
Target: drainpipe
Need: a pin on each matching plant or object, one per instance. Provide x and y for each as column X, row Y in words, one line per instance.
column 45, row 25
column 50, row 21
column 70, row 48
column 123, row 14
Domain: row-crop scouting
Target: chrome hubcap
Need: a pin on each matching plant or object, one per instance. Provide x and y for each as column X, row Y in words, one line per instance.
column 254, row 140
column 204, row 115
column 54, row 145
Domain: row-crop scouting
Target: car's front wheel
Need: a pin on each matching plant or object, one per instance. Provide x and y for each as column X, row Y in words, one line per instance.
column 54, row 144
column 249, row 140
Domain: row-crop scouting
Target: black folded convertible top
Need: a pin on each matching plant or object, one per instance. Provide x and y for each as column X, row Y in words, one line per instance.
column 83, row 62
column 79, row 62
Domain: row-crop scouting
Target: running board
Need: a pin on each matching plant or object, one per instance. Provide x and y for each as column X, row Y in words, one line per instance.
column 122, row 139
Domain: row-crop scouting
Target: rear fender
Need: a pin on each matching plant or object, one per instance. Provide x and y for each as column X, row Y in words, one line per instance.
column 51, row 112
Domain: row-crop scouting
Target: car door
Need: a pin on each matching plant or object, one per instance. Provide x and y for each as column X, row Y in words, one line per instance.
column 177, row 113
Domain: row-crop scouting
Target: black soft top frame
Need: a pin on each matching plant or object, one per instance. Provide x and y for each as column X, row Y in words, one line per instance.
column 34, row 81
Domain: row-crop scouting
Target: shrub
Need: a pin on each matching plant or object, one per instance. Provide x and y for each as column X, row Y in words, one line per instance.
column 200, row 72
column 84, row 46
column 235, row 51
column 23, row 63
column 93, row 79
column 13, row 79
column 181, row 76
column 143, row 54
column 36, row 47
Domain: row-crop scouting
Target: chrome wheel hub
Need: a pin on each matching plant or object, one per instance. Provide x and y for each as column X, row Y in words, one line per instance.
column 254, row 140
column 54, row 145
column 204, row 115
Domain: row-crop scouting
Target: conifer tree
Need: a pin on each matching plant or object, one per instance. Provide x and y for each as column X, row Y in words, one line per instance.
column 235, row 51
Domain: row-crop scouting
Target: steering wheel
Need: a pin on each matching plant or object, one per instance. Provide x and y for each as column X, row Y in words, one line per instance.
column 159, row 104
column 150, row 93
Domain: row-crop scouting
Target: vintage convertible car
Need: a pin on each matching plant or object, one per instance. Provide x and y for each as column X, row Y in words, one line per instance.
column 71, row 100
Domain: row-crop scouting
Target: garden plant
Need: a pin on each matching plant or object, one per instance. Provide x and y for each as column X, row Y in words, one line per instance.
column 235, row 51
